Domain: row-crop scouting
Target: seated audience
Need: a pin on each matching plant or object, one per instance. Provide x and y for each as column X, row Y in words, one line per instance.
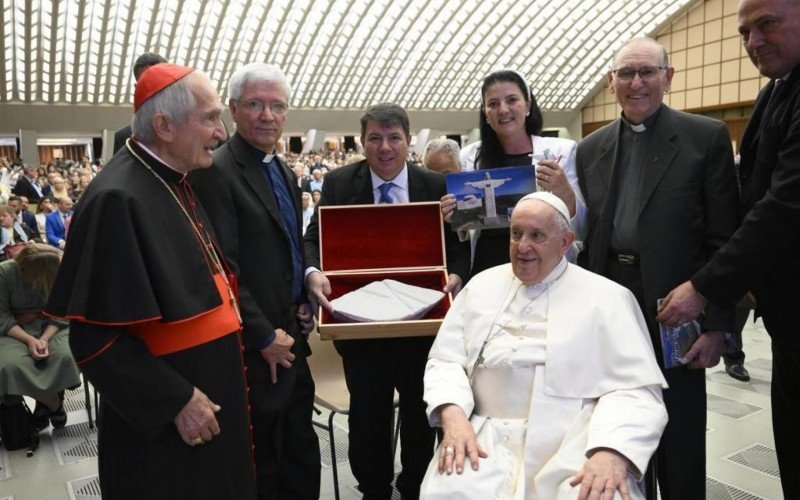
column 59, row 188
column 11, row 231
column 19, row 204
column 315, row 182
column 441, row 155
column 308, row 210
column 28, row 185
column 35, row 359
column 56, row 223
column 46, row 206
column 542, row 376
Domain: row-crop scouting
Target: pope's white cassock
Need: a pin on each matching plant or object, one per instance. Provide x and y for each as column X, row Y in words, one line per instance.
column 568, row 368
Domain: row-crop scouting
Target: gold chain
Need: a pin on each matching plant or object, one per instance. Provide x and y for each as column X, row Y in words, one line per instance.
column 209, row 247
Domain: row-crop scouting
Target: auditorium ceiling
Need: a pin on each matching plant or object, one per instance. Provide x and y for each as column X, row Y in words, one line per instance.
column 338, row 54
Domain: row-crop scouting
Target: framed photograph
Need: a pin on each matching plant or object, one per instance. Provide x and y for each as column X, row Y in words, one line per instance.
column 485, row 198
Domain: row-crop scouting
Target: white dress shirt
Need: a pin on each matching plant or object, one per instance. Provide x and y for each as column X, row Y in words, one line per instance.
column 398, row 193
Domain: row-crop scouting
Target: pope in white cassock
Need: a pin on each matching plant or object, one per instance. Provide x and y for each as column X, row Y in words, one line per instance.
column 542, row 377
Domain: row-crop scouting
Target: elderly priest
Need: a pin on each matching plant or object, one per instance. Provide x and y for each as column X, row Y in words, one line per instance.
column 542, row 377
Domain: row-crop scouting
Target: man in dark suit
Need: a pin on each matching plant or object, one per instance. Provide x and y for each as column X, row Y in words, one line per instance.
column 375, row 368
column 143, row 62
column 27, row 186
column 763, row 256
column 661, row 195
column 19, row 205
column 254, row 204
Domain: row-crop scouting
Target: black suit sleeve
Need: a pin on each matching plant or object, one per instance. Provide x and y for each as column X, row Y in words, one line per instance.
column 32, row 226
column 768, row 235
column 720, row 194
column 214, row 191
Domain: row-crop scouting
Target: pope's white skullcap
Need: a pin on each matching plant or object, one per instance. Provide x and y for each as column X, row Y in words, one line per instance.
column 549, row 198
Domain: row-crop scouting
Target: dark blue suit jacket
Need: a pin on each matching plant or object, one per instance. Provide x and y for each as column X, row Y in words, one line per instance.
column 30, row 220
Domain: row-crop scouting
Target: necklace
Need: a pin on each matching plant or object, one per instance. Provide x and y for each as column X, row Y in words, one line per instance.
column 506, row 300
column 208, row 247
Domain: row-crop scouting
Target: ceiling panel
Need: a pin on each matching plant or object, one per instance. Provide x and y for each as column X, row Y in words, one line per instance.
column 338, row 54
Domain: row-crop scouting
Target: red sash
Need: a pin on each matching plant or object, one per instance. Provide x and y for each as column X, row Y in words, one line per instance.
column 166, row 338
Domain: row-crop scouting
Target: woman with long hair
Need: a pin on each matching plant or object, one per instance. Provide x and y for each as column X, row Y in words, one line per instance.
column 35, row 358
column 46, row 205
column 510, row 123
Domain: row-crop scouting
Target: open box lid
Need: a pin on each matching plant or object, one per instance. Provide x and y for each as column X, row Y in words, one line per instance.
column 380, row 237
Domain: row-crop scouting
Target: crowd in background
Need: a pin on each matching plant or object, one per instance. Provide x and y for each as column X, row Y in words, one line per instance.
column 59, row 178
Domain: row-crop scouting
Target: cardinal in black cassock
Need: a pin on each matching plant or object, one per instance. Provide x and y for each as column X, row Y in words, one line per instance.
column 154, row 320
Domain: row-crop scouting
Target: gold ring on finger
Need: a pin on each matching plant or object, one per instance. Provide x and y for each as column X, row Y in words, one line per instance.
column 197, row 440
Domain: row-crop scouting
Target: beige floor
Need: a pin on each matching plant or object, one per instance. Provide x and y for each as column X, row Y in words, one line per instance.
column 740, row 445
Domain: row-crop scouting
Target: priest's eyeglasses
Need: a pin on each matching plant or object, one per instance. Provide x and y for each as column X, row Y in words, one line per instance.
column 646, row 73
column 256, row 107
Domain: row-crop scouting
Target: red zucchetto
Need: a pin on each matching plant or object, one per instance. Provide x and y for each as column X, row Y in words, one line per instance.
column 155, row 79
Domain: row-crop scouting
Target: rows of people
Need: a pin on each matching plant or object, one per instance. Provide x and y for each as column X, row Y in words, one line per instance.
column 546, row 378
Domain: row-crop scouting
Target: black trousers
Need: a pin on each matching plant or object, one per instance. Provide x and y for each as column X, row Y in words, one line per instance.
column 740, row 320
column 286, row 449
column 373, row 370
column 680, row 460
column 786, row 414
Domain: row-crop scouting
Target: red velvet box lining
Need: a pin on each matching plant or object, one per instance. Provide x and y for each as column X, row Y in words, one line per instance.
column 344, row 283
column 358, row 237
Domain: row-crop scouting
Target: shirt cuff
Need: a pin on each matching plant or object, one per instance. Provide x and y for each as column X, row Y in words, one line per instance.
column 266, row 342
column 310, row 270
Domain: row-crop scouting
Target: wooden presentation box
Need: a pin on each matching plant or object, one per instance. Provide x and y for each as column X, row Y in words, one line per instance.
column 360, row 244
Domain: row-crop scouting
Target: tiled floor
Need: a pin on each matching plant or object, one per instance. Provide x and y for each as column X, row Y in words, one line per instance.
column 741, row 457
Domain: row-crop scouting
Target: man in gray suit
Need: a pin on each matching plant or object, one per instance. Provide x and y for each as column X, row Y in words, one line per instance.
column 662, row 198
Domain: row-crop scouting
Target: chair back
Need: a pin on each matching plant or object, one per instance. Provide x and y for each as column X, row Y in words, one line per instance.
column 326, row 368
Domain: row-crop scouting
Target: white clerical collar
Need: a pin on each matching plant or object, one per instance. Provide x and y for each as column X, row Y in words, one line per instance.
column 636, row 127
column 150, row 152
column 268, row 158
column 400, row 180
column 646, row 123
